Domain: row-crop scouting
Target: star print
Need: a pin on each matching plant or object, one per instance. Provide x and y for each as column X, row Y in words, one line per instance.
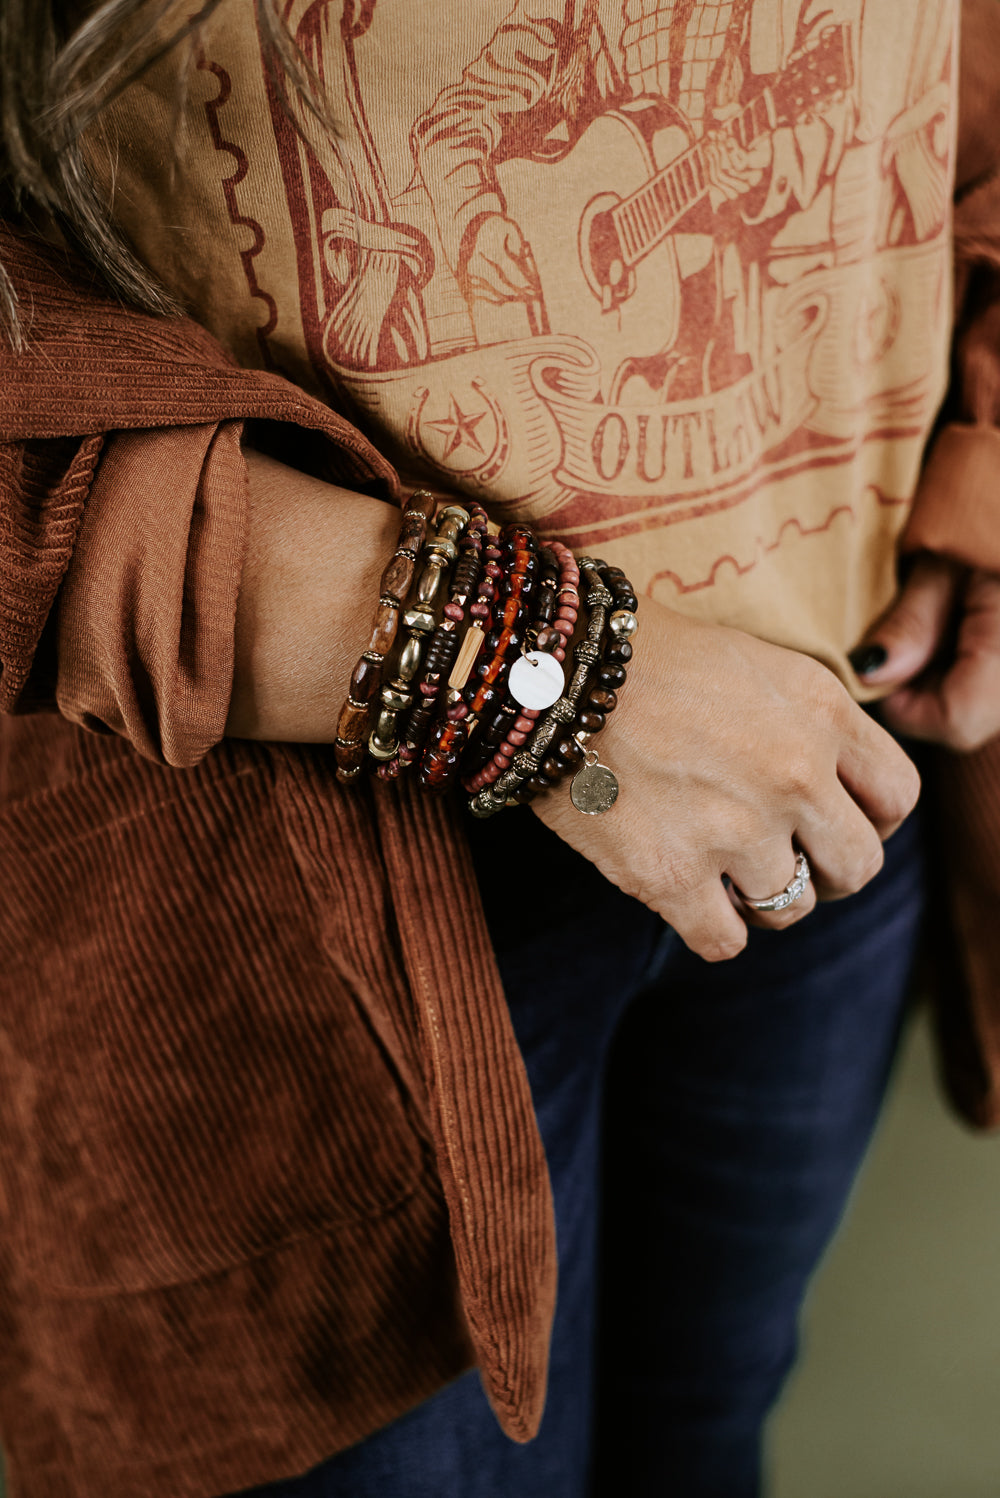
column 459, row 428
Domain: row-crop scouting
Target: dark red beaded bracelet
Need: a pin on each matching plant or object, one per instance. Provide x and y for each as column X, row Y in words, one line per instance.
column 557, row 613
column 518, row 565
column 526, row 762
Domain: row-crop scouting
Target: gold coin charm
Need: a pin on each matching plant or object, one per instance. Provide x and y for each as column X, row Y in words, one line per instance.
column 594, row 789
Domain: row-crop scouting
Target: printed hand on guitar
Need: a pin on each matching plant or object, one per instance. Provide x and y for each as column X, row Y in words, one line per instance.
column 501, row 267
column 733, row 170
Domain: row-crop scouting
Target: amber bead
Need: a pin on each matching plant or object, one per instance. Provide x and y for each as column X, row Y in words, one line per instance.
column 604, row 701
column 367, row 680
column 440, row 761
column 486, row 697
column 517, row 582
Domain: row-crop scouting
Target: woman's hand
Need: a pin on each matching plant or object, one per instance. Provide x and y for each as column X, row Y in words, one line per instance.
column 728, row 750
column 939, row 646
column 730, row 754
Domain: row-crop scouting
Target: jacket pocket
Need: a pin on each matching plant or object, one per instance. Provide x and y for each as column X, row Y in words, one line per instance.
column 186, row 1078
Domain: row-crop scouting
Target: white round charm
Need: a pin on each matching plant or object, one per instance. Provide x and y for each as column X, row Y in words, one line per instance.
column 536, row 680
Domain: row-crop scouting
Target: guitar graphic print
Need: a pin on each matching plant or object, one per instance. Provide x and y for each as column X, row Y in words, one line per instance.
column 621, row 290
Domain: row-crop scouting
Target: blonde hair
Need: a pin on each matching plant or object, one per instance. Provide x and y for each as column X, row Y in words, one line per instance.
column 59, row 67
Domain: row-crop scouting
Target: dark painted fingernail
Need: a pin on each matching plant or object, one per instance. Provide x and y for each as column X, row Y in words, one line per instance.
column 868, row 658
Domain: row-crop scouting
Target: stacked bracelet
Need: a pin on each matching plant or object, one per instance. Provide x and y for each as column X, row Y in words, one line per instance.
column 475, row 690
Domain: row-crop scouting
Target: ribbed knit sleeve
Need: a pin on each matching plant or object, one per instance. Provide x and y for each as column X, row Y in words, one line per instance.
column 123, row 495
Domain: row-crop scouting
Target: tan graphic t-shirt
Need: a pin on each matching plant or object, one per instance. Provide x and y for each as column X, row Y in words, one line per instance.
column 670, row 278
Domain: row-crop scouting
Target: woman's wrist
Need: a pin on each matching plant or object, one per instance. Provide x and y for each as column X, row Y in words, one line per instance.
column 315, row 554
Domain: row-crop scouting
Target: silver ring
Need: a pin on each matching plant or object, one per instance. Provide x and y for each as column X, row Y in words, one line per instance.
column 793, row 890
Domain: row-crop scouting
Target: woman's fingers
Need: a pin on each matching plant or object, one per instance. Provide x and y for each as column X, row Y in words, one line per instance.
column 909, row 636
column 876, row 772
column 959, row 704
column 765, row 875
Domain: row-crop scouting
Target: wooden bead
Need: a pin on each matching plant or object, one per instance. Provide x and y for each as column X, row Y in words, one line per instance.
column 349, row 758
column 421, row 502
column 397, row 577
column 570, row 752
column 367, row 680
column 590, row 721
column 619, row 652
column 352, row 725
column 603, row 700
column 412, row 533
column 384, row 629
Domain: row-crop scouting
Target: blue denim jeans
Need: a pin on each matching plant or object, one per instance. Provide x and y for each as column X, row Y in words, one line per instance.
column 703, row 1125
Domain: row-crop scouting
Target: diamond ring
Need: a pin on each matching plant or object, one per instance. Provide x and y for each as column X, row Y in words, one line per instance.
column 793, row 890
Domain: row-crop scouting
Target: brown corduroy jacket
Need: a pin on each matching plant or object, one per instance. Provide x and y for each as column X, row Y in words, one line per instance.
column 270, row 1173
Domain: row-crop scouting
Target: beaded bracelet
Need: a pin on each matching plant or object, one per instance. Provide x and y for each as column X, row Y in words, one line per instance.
column 526, row 762
column 420, row 623
column 552, row 626
column 494, row 730
column 601, row 699
column 366, row 680
column 439, row 764
column 517, row 567
column 444, row 641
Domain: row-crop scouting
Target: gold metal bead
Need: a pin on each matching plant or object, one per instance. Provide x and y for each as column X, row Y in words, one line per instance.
column 443, row 546
column 455, row 513
column 420, row 620
column 381, row 751
column 410, row 657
